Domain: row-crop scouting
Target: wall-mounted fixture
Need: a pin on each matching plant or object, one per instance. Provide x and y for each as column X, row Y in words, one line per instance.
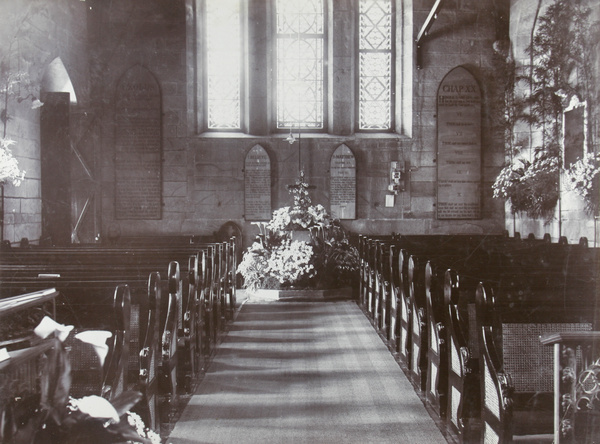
column 397, row 177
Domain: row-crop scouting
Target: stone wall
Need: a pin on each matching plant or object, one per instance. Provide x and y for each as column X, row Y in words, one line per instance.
column 203, row 173
column 33, row 33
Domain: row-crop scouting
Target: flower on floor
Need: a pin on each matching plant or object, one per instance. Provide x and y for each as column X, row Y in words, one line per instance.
column 53, row 417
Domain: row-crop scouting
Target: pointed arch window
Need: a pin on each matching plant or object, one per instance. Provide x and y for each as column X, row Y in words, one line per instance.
column 223, row 64
column 300, row 49
column 375, row 65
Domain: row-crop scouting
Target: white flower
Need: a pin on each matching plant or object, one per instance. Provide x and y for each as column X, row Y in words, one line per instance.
column 96, row 407
column 96, row 338
column 47, row 326
column 9, row 166
column 580, row 175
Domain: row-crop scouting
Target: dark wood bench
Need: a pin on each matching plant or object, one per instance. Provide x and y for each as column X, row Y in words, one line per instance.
column 515, row 369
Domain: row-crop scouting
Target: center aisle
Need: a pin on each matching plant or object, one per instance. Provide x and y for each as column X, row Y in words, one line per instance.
column 304, row 372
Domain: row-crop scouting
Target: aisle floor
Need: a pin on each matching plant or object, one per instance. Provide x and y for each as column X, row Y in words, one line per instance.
column 304, row 372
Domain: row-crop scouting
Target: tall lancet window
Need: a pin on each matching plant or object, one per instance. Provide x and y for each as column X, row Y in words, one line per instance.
column 375, row 54
column 223, row 64
column 300, row 46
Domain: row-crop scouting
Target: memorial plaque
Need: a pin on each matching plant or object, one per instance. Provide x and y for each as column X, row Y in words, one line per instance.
column 343, row 184
column 257, row 184
column 138, row 147
column 459, row 146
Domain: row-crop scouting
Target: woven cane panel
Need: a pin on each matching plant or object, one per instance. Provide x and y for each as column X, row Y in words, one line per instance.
column 433, row 339
column 456, row 368
column 416, row 325
column 152, row 365
column 415, row 358
column 492, row 402
column 434, row 370
column 528, row 362
column 134, row 341
column 473, row 339
column 489, row 436
column 455, row 402
column 86, row 370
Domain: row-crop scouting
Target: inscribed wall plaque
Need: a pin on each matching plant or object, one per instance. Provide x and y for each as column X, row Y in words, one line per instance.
column 459, row 146
column 343, row 184
column 257, row 184
column 138, row 146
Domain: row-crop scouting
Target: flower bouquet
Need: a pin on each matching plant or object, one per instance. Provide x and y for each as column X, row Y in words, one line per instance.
column 277, row 260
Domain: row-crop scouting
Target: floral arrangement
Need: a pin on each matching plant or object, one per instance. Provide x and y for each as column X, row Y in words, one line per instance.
column 276, row 260
column 9, row 166
column 302, row 215
column 530, row 187
column 583, row 177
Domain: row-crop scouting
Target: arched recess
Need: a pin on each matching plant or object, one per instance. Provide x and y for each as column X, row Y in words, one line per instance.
column 71, row 201
column 342, row 183
column 459, row 146
column 257, row 184
column 138, row 146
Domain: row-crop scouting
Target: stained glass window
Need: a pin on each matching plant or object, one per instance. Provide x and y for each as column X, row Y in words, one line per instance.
column 223, row 64
column 375, row 64
column 300, row 39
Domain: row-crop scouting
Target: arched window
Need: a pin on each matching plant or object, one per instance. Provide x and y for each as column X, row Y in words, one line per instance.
column 300, row 47
column 375, row 64
column 223, row 61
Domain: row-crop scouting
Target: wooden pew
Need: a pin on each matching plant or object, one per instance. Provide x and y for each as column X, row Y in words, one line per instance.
column 88, row 374
column 516, row 371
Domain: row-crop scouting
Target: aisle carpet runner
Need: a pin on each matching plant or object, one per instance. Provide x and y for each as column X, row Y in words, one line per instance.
column 304, row 372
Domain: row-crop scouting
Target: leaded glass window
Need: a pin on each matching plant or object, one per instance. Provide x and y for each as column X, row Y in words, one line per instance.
column 300, row 36
column 223, row 64
column 375, row 64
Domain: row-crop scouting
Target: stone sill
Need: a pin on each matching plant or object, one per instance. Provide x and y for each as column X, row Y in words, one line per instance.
column 312, row 295
column 283, row 136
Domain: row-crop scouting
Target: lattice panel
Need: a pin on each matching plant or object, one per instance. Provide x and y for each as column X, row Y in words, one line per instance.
column 434, row 371
column 529, row 363
column 456, row 368
column 492, row 402
column 489, row 436
column 223, row 64
column 300, row 67
column 455, row 402
column 375, row 64
column 433, row 338
column 415, row 359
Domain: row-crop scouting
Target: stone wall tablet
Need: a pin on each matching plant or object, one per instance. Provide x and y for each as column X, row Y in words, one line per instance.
column 343, row 184
column 138, row 146
column 459, row 146
column 257, row 184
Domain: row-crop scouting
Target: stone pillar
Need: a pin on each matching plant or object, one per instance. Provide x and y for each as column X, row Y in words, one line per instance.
column 341, row 117
column 257, row 65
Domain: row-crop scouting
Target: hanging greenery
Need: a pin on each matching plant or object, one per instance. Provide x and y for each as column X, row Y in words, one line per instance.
column 536, row 95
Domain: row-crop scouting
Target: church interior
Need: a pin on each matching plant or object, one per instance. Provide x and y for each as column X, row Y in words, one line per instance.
column 335, row 221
